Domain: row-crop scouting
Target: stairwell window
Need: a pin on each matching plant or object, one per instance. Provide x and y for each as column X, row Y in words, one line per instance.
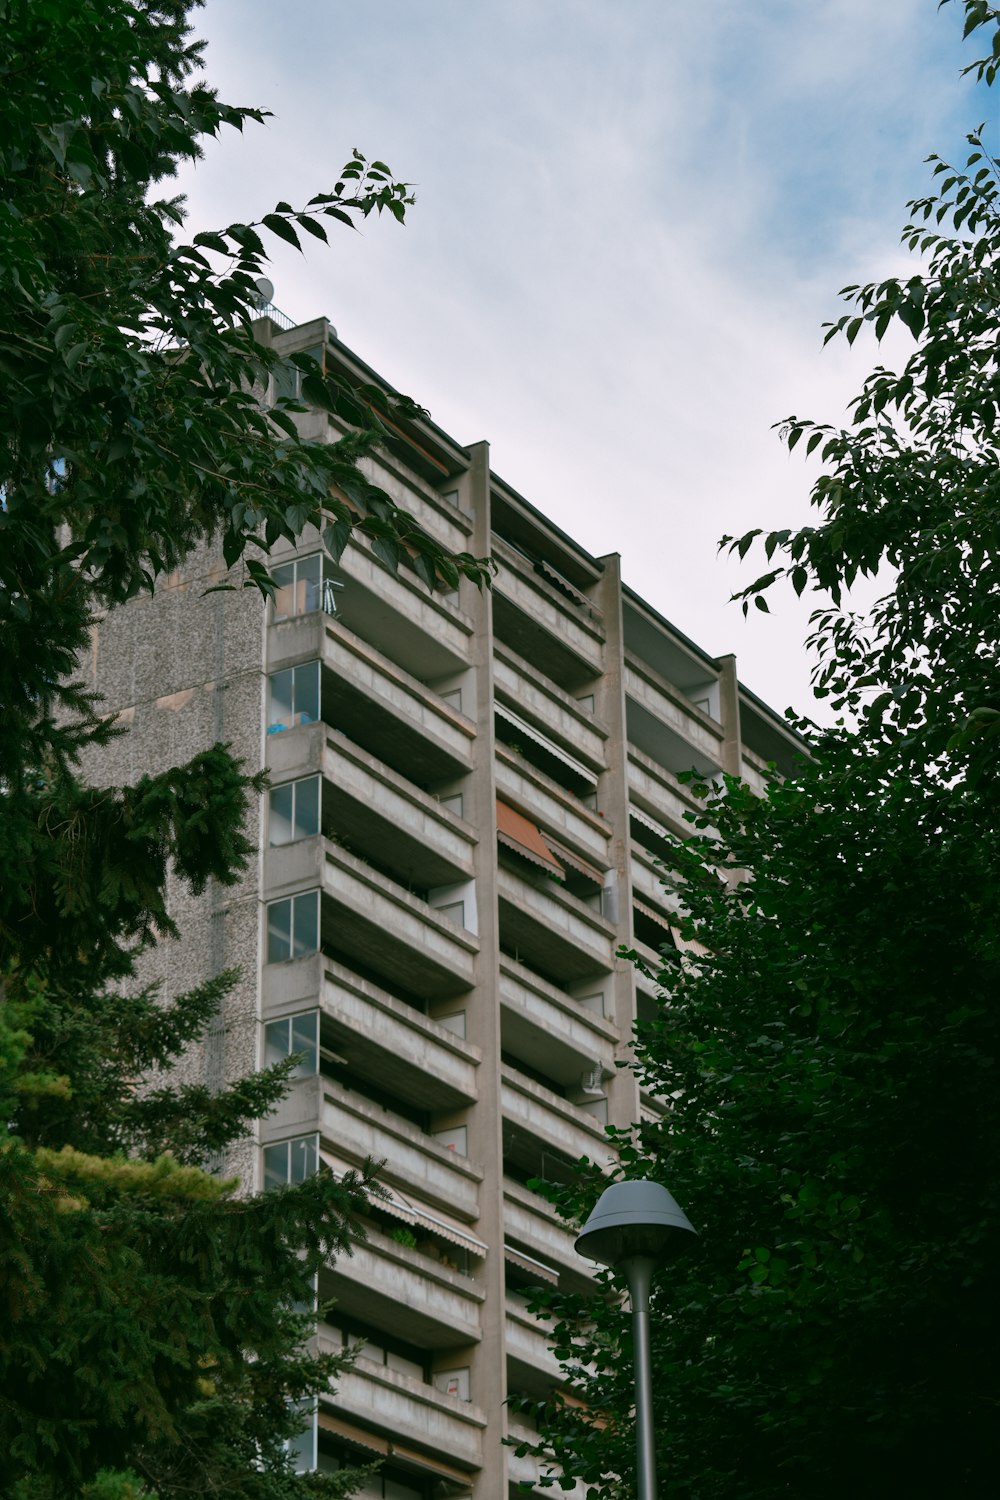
column 293, row 697
column 292, row 927
column 288, row 1162
column 294, row 1035
column 293, row 811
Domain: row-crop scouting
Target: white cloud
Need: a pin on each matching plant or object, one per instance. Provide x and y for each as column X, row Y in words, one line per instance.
column 632, row 219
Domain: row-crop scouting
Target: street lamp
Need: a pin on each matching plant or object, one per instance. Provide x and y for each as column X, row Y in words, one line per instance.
column 632, row 1228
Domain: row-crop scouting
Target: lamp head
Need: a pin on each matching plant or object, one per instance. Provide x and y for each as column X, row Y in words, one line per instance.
column 632, row 1218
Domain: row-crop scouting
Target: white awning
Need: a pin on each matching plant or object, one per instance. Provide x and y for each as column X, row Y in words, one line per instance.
column 391, row 1201
column 522, row 727
column 525, row 1262
column 651, row 823
column 654, row 916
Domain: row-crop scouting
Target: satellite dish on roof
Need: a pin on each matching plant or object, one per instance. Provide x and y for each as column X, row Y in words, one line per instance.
column 265, row 292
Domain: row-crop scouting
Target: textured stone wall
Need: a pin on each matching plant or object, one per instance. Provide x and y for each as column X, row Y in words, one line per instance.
column 182, row 669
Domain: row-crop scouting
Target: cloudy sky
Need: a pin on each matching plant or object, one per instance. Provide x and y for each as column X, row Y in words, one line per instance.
column 632, row 218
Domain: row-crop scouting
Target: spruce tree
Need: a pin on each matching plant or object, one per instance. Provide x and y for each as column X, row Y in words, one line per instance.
column 153, row 1317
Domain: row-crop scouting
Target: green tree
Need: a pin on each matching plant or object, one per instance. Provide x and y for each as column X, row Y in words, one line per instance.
column 827, row 1056
column 152, row 1319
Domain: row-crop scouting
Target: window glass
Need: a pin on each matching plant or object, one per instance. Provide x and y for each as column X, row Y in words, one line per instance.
column 303, row 1158
column 279, row 715
column 280, row 823
column 279, row 931
column 292, row 927
column 302, row 1447
column 305, row 1039
column 276, row 1165
column 309, row 576
column 305, row 923
column 293, row 811
column 306, row 807
column 306, row 702
column 293, row 697
column 298, row 1034
column 286, row 381
column 303, row 586
column 284, row 587
column 291, row 1161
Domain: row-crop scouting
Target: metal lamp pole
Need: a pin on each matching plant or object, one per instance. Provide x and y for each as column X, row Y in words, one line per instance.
column 632, row 1229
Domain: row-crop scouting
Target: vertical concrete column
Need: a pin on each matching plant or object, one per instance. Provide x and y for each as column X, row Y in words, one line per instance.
column 729, row 713
column 612, row 798
column 488, row 1365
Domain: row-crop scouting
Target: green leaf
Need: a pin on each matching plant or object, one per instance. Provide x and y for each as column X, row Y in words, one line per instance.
column 282, row 228
column 312, row 226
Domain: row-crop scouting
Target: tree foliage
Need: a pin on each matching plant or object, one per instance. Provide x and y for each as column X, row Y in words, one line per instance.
column 153, row 1323
column 826, row 1054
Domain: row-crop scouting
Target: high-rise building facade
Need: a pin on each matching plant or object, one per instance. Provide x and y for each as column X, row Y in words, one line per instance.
column 469, row 795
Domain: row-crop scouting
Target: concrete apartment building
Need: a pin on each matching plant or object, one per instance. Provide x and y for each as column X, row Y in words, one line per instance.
column 469, row 795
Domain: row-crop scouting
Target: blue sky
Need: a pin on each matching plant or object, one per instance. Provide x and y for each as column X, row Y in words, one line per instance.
column 632, row 218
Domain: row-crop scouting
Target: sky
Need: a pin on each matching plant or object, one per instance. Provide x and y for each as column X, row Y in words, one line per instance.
column 632, row 219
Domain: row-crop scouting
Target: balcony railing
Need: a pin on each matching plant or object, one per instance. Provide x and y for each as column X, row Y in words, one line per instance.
column 400, row 1288
column 540, row 1112
column 409, row 1410
column 357, row 1129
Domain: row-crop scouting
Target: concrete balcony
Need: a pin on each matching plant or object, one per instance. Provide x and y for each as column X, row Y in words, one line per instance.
column 528, row 1470
column 534, row 1223
column 356, row 1129
column 556, row 934
column 372, row 809
column 395, row 613
column 541, row 1022
column 556, row 713
column 414, row 482
column 386, row 1040
column 551, row 806
column 656, row 790
column 399, row 1290
column 531, row 1109
column 666, row 725
column 376, row 703
column 528, row 1349
column 408, row 1411
column 535, row 620
column 754, row 772
column 393, row 934
column 647, row 882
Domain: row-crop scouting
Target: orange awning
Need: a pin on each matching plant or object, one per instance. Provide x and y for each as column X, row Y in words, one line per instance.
column 521, row 835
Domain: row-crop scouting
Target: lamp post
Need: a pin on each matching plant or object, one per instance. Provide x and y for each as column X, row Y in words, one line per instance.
column 632, row 1228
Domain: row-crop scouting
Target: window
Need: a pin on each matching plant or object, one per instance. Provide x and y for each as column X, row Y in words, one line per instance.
column 293, row 811
column 303, row 586
column 288, row 1162
column 290, row 1035
column 302, row 1447
column 293, row 697
column 292, row 927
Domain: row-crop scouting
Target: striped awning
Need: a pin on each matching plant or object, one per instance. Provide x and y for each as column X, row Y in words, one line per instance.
column 391, row 1201
column 525, row 1262
column 520, row 834
column 654, row 916
column 523, row 727
column 350, row 1432
column 651, row 823
column 578, row 863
